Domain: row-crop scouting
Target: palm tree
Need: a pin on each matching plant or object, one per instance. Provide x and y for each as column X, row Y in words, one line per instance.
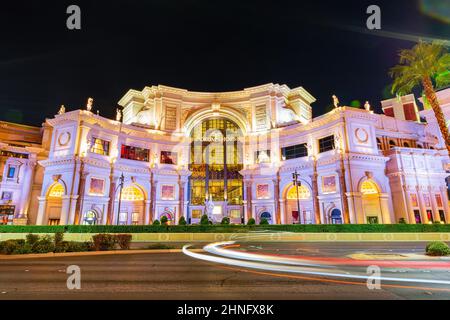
column 428, row 65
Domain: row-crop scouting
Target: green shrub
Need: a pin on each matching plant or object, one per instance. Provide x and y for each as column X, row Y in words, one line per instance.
column 204, row 220
column 73, row 246
column 159, row 246
column 24, row 249
column 225, row 221
column 156, row 222
column 58, row 237
column 437, row 248
column 11, row 246
column 124, row 241
column 182, row 221
column 32, row 238
column 104, row 242
column 164, row 220
column 44, row 245
column 264, row 222
column 251, row 222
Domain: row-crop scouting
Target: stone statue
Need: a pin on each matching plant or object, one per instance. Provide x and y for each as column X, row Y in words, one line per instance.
column 209, row 206
column 62, row 109
column 118, row 115
column 367, row 106
column 89, row 104
column 335, row 101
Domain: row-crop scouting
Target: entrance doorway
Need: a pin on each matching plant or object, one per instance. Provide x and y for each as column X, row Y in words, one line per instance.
column 371, row 201
column 215, row 161
column 336, row 216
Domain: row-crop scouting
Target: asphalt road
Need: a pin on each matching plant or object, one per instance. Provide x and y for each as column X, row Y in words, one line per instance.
column 177, row 276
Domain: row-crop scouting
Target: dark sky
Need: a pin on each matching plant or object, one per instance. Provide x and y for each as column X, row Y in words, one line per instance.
column 197, row 45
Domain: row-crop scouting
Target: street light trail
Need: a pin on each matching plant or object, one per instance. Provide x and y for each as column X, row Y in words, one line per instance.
column 291, row 269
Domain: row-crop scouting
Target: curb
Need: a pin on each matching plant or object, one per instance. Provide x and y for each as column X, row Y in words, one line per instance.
column 89, row 253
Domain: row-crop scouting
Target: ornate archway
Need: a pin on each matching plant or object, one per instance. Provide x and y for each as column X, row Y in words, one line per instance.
column 132, row 205
column 293, row 213
column 370, row 199
column 216, row 158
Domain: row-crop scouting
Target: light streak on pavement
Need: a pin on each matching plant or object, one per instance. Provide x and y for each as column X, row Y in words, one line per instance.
column 230, row 259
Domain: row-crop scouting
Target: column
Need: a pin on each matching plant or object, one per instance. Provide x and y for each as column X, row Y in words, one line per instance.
column 282, row 211
column 384, row 207
column 79, row 203
column 41, row 210
column 343, row 190
column 153, row 185
column 352, row 211
column 147, row 218
column 181, row 199
column 315, row 190
column 423, row 211
column 409, row 210
column 445, row 203
column 360, row 218
column 112, row 194
column 66, row 210
column 276, row 197
column 434, row 206
column 27, row 189
column 248, row 185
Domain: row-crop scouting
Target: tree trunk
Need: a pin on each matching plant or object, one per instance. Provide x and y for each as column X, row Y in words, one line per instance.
column 431, row 97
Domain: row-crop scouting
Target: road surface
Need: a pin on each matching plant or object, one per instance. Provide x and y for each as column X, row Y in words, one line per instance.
column 177, row 276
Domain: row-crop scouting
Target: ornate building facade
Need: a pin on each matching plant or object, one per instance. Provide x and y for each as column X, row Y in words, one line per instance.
column 233, row 154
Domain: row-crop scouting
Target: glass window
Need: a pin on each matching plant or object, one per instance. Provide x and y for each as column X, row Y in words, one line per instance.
column 262, row 156
column 123, row 217
column 134, row 153
column 326, row 144
column 392, row 144
column 303, row 193
column 292, row 152
column 235, row 214
column 131, row 193
column 57, row 191
column 168, row 157
column 379, row 144
column 135, row 217
column 90, row 218
column 11, row 171
column 100, row 146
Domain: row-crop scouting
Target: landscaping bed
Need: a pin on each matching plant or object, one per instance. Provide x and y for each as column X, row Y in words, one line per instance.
column 344, row 228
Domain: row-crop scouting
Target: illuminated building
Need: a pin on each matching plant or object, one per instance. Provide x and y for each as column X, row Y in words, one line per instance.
column 180, row 150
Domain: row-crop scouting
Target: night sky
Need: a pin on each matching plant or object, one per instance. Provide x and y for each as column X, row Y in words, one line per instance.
column 200, row 46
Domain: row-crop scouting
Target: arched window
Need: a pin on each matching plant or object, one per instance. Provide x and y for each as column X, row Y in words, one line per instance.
column 392, row 144
column 57, row 191
column 132, row 193
column 266, row 215
column 419, row 146
column 406, row 144
column 431, row 148
column 336, row 216
column 90, row 217
column 303, row 193
column 369, row 187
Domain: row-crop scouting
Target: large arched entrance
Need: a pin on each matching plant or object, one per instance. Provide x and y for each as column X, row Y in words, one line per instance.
column 215, row 162
column 54, row 203
column 132, row 206
column 301, row 211
column 370, row 197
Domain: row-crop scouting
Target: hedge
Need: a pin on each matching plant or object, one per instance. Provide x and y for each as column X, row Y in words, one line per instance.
column 310, row 228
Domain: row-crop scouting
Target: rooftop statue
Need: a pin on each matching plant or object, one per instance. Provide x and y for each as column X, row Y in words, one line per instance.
column 89, row 104
column 335, row 101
